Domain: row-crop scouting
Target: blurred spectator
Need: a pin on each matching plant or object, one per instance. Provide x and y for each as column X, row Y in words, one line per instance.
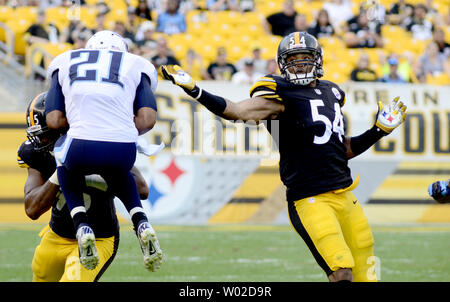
column 100, row 20
column 439, row 38
column 432, row 63
column 399, row 12
column 247, row 75
column 447, row 18
column 272, row 67
column 300, row 23
column 246, row 5
column 188, row 5
column 171, row 21
column 339, row 11
column 218, row 5
column 393, row 76
column 39, row 32
column 133, row 20
column 221, row 69
column 418, row 25
column 193, row 65
column 363, row 33
column 321, row 27
column 81, row 39
column 281, row 23
column 121, row 29
column 404, row 67
column 362, row 72
column 144, row 38
column 44, row 4
column 259, row 64
column 75, row 29
column 163, row 54
column 143, row 10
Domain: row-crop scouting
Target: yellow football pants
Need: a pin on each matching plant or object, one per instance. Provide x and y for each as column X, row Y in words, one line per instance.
column 57, row 259
column 337, row 233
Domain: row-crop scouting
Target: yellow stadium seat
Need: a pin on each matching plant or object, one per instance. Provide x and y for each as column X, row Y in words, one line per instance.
column 269, row 7
column 117, row 4
column 58, row 16
column 88, row 15
column 252, row 18
column 6, row 13
column 207, row 50
column 18, row 27
column 91, row 2
column 334, row 74
column 26, row 12
column 225, row 17
column 442, row 79
column 236, row 52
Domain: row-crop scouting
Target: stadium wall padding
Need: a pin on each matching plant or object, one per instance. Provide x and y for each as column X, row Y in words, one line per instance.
column 236, row 166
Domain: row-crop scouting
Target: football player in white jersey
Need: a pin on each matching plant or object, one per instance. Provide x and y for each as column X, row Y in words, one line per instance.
column 105, row 96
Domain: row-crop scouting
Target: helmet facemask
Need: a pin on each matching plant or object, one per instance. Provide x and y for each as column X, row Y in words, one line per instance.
column 312, row 68
column 42, row 139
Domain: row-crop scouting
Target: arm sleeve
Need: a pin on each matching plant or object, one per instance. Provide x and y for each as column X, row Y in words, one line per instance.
column 144, row 95
column 55, row 96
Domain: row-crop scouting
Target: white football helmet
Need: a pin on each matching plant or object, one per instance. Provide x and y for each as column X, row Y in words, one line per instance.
column 107, row 39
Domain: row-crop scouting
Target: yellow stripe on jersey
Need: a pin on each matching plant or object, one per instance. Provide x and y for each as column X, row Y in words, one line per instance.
column 265, row 87
column 24, row 165
column 21, row 163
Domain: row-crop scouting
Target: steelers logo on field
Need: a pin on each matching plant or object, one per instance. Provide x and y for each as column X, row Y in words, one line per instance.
column 171, row 182
column 336, row 93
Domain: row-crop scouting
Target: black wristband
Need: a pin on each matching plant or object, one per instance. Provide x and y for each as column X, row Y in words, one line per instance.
column 214, row 103
column 362, row 142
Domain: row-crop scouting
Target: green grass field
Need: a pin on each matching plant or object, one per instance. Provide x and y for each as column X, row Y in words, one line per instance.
column 243, row 253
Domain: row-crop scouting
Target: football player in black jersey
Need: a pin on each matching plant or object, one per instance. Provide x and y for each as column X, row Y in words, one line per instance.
column 314, row 152
column 56, row 258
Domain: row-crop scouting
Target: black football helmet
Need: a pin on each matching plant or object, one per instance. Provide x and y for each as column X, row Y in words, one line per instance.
column 41, row 137
column 296, row 43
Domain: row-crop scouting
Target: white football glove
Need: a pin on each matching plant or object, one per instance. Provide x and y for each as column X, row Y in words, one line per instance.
column 390, row 117
column 145, row 148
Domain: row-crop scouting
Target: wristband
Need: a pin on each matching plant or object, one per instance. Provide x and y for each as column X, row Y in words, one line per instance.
column 214, row 103
column 360, row 143
column 54, row 178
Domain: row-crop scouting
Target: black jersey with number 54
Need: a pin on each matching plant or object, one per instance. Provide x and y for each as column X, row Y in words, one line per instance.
column 309, row 134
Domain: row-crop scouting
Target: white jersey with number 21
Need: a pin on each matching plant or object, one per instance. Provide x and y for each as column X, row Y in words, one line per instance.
column 99, row 88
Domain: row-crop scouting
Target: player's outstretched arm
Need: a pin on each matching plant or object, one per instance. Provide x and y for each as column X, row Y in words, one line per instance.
column 39, row 194
column 388, row 118
column 252, row 109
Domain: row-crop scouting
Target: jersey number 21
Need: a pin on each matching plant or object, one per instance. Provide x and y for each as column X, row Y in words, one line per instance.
column 92, row 57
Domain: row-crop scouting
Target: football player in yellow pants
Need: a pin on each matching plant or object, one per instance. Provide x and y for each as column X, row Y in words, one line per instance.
column 56, row 258
column 314, row 151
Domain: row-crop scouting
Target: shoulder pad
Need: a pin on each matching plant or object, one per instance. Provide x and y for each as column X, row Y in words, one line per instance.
column 146, row 67
column 55, row 64
column 337, row 91
column 265, row 87
column 24, row 154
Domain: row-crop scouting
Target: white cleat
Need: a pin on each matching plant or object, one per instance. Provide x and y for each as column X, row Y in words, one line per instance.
column 86, row 247
column 151, row 250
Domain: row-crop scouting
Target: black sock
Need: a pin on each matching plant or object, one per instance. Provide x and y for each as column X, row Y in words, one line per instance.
column 80, row 219
column 137, row 219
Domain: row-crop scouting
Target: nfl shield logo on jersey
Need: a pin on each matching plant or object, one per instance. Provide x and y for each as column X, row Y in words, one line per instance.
column 336, row 93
